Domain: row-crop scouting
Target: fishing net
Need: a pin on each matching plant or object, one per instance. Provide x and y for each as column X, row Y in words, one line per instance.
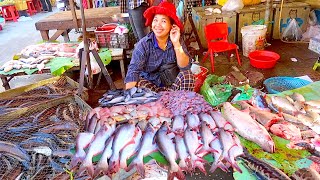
column 37, row 95
column 45, row 134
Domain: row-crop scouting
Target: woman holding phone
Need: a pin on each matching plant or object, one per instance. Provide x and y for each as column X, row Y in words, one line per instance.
column 160, row 60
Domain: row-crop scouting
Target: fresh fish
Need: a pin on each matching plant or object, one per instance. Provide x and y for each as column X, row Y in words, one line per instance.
column 286, row 130
column 70, row 126
column 130, row 149
column 178, row 125
column 15, row 151
column 123, row 137
column 304, row 174
column 182, row 152
column 283, row 105
column 209, row 120
column 290, row 118
column 310, row 122
column 192, row 143
column 216, row 145
column 93, row 123
column 309, row 147
column 262, row 168
column 103, row 165
column 146, row 148
column 207, row 137
column 154, row 121
column 167, row 148
column 220, row 121
column 267, row 119
column 308, row 107
column 248, row 128
column 82, row 141
column 314, row 103
column 298, row 97
column 97, row 146
column 193, row 121
column 230, row 148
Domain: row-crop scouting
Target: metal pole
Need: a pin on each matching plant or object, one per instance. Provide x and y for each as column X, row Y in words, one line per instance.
column 267, row 13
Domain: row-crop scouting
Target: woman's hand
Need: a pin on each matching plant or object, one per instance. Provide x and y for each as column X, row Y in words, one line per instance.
column 175, row 35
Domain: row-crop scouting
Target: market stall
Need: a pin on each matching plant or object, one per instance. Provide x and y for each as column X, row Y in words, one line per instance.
column 63, row 22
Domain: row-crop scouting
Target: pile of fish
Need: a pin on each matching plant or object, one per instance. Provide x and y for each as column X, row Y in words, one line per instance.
column 290, row 117
column 36, row 56
column 181, row 102
column 130, row 96
column 37, row 95
column 185, row 138
column 37, row 144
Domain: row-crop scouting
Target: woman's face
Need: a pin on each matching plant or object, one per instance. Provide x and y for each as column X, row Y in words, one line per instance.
column 161, row 25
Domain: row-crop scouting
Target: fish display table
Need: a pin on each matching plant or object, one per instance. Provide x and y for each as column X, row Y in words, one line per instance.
column 62, row 22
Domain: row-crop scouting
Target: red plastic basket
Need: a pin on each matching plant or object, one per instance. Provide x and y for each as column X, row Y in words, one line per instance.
column 103, row 34
column 200, row 78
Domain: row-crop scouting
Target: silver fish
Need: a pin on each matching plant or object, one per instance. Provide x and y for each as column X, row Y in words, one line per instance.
column 193, row 121
column 209, row 120
column 220, row 121
column 298, row 97
column 182, row 152
column 103, row 165
column 123, row 136
column 147, row 147
column 130, row 149
column 207, row 137
column 178, row 125
column 97, row 146
column 248, row 128
column 216, row 144
column 192, row 143
column 283, row 104
column 314, row 103
column 167, row 148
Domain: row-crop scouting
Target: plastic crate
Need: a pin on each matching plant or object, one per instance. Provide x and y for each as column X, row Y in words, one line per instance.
column 276, row 85
column 106, row 37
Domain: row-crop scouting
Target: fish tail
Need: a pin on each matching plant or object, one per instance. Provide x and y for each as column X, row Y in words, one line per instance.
column 175, row 171
column 200, row 166
column 206, row 150
column 78, row 157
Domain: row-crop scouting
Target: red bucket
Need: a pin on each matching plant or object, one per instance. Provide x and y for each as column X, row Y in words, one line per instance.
column 263, row 59
column 200, row 78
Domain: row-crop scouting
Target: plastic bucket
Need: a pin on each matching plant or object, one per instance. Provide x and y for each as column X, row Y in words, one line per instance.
column 253, row 38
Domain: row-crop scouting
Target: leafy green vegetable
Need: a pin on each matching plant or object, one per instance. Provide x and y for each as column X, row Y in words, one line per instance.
column 59, row 65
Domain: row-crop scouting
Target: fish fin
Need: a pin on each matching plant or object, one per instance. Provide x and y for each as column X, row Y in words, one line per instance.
column 223, row 167
column 175, row 171
column 206, row 150
column 138, row 163
column 200, row 166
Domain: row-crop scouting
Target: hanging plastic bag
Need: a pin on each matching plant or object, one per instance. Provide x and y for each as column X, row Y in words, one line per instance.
column 233, row 5
column 292, row 32
column 312, row 31
column 95, row 68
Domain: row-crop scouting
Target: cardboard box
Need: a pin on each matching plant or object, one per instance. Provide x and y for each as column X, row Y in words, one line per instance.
column 201, row 18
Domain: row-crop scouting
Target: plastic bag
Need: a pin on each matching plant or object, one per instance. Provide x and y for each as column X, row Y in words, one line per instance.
column 233, row 5
column 95, row 68
column 292, row 32
column 312, row 31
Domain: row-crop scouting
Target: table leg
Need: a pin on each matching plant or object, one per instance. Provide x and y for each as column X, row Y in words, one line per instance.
column 45, row 35
column 5, row 82
column 123, row 71
column 65, row 35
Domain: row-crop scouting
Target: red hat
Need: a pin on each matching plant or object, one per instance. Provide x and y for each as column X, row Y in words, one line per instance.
column 165, row 8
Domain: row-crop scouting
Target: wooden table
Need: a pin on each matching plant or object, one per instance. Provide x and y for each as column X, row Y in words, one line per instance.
column 62, row 22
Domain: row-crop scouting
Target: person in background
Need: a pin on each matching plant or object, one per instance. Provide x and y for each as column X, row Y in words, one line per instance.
column 46, row 5
column 160, row 60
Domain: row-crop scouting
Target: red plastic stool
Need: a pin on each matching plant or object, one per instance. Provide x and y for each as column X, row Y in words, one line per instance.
column 38, row 5
column 9, row 12
column 31, row 8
